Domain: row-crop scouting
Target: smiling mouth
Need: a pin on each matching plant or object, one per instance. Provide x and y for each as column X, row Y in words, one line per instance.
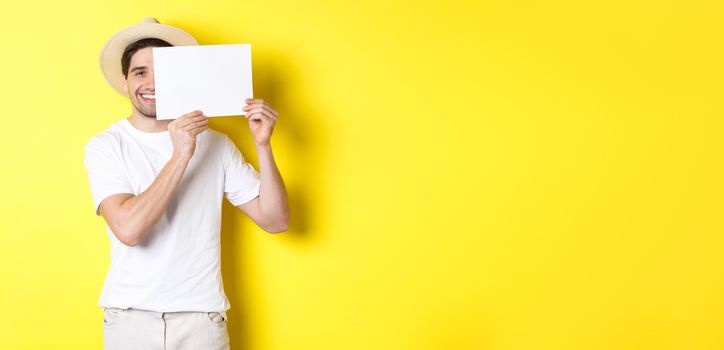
column 148, row 98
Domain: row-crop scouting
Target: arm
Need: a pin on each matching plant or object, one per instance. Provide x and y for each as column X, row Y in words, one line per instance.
column 270, row 210
column 132, row 217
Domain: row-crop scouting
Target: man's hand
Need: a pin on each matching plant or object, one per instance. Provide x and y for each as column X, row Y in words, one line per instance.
column 261, row 117
column 270, row 209
column 183, row 132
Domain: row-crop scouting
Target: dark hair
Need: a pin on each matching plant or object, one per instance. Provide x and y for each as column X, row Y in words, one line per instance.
column 135, row 46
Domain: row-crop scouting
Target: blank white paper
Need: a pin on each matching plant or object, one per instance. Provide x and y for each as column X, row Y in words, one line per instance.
column 215, row 79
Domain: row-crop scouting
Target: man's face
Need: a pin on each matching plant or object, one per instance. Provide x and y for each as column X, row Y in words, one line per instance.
column 139, row 83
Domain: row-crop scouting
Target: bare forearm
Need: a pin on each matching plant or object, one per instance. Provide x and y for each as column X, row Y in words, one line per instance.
column 272, row 193
column 138, row 214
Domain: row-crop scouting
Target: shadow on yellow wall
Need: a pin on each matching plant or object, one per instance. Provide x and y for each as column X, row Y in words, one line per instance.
column 307, row 143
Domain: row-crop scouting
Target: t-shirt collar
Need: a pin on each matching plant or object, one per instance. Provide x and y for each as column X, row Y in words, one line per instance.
column 126, row 124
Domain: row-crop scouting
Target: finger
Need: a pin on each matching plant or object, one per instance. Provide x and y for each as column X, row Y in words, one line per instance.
column 262, row 118
column 196, row 124
column 187, row 115
column 260, row 105
column 258, row 108
column 182, row 123
column 261, row 114
column 253, row 103
column 193, row 118
column 198, row 130
column 190, row 114
column 254, row 116
column 264, row 111
column 253, row 100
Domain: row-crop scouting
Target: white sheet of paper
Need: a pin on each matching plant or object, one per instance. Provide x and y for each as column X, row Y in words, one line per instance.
column 215, row 79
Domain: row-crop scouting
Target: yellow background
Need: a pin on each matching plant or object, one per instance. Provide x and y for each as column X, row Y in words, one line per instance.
column 463, row 174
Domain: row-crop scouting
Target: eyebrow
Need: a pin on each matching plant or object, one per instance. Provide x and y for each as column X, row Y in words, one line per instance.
column 138, row 68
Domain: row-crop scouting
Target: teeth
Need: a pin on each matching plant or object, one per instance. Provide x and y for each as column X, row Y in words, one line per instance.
column 149, row 96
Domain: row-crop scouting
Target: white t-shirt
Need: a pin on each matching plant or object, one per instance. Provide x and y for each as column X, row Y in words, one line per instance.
column 178, row 265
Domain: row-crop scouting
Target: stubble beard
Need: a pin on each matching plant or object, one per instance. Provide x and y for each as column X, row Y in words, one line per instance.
column 146, row 111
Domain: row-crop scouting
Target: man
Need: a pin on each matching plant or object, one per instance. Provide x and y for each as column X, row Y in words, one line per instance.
column 159, row 185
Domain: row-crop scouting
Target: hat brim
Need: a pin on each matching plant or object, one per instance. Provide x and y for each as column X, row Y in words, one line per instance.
column 110, row 56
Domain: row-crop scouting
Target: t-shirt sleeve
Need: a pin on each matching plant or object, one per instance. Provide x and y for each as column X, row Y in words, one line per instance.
column 105, row 171
column 241, row 180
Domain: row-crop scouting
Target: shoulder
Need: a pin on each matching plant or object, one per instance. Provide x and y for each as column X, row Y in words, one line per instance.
column 221, row 144
column 216, row 135
column 217, row 138
column 106, row 139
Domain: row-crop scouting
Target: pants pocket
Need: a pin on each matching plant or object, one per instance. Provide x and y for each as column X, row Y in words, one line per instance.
column 111, row 316
column 216, row 318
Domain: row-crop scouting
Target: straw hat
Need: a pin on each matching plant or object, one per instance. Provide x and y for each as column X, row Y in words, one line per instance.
column 110, row 57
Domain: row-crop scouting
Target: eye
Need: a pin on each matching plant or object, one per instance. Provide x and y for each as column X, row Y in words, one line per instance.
column 139, row 73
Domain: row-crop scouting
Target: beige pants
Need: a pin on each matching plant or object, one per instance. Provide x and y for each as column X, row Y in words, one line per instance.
column 148, row 330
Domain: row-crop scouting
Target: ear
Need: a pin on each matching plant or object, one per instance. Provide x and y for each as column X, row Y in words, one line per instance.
column 125, row 84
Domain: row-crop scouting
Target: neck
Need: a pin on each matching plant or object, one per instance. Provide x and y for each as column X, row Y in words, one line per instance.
column 146, row 124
